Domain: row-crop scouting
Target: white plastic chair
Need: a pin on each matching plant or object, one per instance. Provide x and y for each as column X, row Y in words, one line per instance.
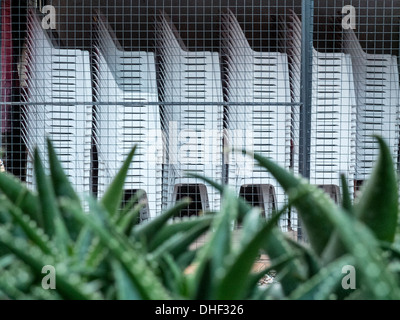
column 62, row 77
column 194, row 131
column 253, row 78
column 377, row 87
column 333, row 110
column 128, row 114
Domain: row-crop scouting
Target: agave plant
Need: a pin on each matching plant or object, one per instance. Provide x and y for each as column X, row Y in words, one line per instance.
column 104, row 254
column 100, row 254
column 360, row 234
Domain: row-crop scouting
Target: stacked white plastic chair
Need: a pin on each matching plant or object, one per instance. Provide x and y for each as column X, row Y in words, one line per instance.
column 288, row 44
column 377, row 87
column 254, row 78
column 58, row 84
column 333, row 112
column 127, row 114
column 191, row 90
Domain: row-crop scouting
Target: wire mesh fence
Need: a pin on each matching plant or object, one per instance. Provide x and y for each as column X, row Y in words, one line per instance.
column 305, row 83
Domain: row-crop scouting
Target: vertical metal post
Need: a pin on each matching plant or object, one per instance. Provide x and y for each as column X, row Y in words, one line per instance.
column 1, row 77
column 307, row 16
column 306, row 86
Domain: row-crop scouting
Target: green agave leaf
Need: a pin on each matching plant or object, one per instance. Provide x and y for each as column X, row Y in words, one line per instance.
column 134, row 200
column 211, row 260
column 126, row 223
column 321, row 286
column 21, row 196
column 6, row 261
column 391, row 249
column 309, row 208
column 36, row 260
column 148, row 230
column 177, row 227
column 128, row 219
column 251, row 224
column 82, row 244
column 307, row 256
column 254, row 278
column 132, row 261
column 244, row 206
column 46, row 197
column 111, row 200
column 62, row 188
column 10, row 292
column 171, row 242
column 359, row 294
column 124, row 287
column 335, row 247
column 276, row 246
column 394, row 266
column 40, row 294
column 181, row 242
column 130, row 213
column 173, row 276
column 211, row 182
column 30, row 228
column 347, row 204
column 3, row 250
column 186, row 259
column 97, row 252
column 53, row 224
column 86, row 248
column 61, row 184
column 363, row 246
column 272, row 292
column 17, row 284
column 234, row 282
column 297, row 270
column 4, row 216
column 378, row 204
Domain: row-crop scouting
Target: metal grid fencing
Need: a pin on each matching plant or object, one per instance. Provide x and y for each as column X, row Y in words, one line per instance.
column 305, row 83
